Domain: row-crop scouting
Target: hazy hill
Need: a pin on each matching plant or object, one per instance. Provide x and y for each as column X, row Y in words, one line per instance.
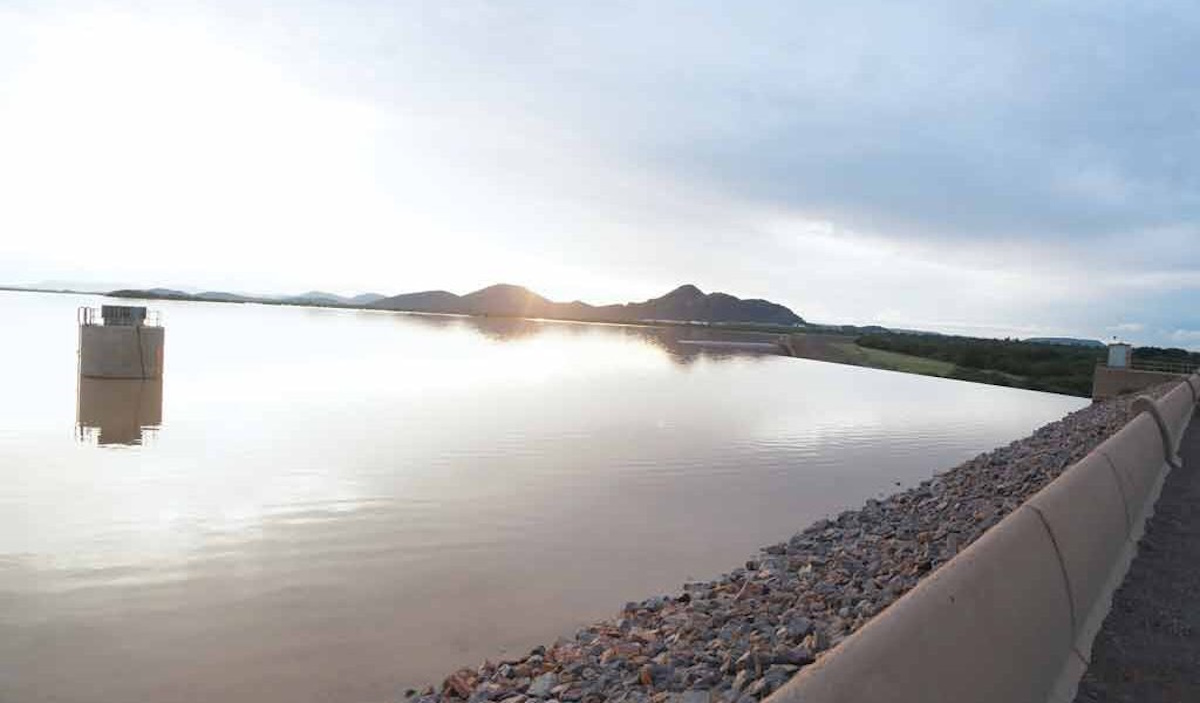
column 316, row 297
column 151, row 294
column 686, row 303
column 1067, row 341
column 169, row 292
column 224, row 297
column 172, row 294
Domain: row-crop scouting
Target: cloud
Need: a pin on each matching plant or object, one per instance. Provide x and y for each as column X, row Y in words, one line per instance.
column 1186, row 337
column 994, row 166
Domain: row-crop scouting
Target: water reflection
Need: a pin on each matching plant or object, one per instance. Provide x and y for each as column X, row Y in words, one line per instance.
column 686, row 344
column 683, row 344
column 118, row 411
column 507, row 329
column 353, row 503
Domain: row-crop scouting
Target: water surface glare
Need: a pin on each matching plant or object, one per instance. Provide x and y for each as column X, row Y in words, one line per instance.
column 333, row 505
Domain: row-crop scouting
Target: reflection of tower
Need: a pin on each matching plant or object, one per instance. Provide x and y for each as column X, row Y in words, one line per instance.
column 117, row 410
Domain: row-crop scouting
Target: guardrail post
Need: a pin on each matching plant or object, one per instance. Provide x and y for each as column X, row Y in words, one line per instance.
column 1146, row 404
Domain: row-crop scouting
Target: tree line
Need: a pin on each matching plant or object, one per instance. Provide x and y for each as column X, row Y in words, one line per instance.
column 1057, row 368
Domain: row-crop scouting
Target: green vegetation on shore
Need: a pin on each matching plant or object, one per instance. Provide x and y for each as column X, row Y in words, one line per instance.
column 1166, row 356
column 893, row 361
column 1057, row 368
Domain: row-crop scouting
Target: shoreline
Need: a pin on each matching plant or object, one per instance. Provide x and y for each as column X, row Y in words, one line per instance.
column 814, row 342
column 744, row 634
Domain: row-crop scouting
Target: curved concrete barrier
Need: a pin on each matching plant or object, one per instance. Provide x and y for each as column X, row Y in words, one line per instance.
column 1177, row 407
column 1089, row 521
column 1004, row 596
column 1138, row 456
column 1013, row 617
column 1146, row 405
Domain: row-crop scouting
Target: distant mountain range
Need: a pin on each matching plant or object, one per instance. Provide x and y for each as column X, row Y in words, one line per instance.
column 314, row 297
column 684, row 304
column 1067, row 341
column 319, row 297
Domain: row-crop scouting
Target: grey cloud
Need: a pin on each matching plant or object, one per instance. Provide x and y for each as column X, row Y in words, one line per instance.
column 928, row 119
column 1057, row 139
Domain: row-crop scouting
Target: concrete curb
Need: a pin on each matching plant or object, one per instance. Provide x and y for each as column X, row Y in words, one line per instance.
column 1143, row 404
column 905, row 655
column 1130, row 452
column 1085, row 513
column 1177, row 407
column 1013, row 616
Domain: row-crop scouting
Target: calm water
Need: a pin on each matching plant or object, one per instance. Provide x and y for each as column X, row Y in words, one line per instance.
column 334, row 505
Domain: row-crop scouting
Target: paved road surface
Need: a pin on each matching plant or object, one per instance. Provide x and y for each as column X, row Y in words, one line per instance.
column 1149, row 648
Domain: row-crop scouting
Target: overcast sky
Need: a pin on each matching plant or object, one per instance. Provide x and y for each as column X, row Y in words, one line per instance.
column 990, row 168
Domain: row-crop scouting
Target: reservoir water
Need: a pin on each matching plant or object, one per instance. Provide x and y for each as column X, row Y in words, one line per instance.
column 334, row 505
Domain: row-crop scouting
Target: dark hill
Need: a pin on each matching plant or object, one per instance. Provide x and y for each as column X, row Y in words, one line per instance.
column 684, row 304
column 509, row 301
column 439, row 301
column 690, row 303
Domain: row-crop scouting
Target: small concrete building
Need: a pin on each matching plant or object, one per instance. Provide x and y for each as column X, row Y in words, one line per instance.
column 120, row 341
column 1119, row 355
column 1118, row 376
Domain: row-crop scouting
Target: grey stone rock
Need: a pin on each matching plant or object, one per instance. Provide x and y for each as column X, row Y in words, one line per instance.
column 744, row 677
column 798, row 627
column 542, row 685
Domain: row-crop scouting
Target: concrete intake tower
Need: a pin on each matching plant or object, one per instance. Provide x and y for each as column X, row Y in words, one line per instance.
column 119, row 341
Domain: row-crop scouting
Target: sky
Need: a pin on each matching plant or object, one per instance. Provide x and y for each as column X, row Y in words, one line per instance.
column 990, row 168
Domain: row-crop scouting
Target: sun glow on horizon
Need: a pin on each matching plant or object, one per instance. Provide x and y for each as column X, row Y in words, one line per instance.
column 394, row 148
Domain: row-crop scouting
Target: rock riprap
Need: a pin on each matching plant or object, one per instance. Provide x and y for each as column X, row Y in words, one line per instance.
column 740, row 637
